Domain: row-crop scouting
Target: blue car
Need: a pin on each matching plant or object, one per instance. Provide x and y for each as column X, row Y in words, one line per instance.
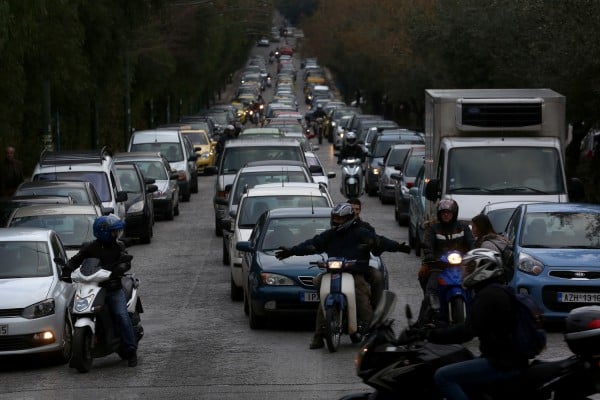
column 275, row 287
column 556, row 255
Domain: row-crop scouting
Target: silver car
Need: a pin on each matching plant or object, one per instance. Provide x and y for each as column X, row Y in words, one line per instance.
column 33, row 300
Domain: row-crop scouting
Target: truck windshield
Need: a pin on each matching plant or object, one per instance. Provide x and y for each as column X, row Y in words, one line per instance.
column 504, row 170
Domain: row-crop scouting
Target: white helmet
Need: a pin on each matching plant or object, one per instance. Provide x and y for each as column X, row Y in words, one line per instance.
column 481, row 265
column 351, row 138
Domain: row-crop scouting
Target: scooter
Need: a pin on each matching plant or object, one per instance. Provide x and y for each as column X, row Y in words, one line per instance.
column 338, row 302
column 94, row 334
column 402, row 367
column 351, row 184
column 318, row 128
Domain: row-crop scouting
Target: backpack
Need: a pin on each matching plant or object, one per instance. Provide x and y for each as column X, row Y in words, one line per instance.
column 528, row 336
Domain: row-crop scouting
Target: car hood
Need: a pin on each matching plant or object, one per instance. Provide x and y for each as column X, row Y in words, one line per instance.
column 290, row 266
column 162, row 185
column 179, row 165
column 23, row 292
column 565, row 257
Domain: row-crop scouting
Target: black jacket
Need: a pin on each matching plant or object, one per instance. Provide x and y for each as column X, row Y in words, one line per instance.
column 355, row 151
column 440, row 238
column 108, row 253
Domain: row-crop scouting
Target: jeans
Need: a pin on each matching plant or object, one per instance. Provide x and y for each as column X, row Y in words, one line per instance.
column 430, row 304
column 118, row 306
column 450, row 378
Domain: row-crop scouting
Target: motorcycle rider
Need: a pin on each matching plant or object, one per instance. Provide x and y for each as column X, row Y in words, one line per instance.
column 228, row 134
column 445, row 235
column 318, row 113
column 491, row 320
column 351, row 148
column 108, row 248
column 345, row 239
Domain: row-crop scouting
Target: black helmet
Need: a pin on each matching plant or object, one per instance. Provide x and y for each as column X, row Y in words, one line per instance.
column 482, row 265
column 345, row 211
column 449, row 205
column 351, row 138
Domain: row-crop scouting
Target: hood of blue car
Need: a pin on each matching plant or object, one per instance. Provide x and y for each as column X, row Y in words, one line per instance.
column 294, row 264
column 566, row 257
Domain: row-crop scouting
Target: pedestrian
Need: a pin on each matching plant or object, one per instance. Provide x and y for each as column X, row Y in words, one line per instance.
column 12, row 172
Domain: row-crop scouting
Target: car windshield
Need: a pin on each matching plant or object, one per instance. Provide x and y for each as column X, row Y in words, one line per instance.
column 382, row 146
column 561, row 230
column 129, row 180
column 197, row 138
column 98, row 179
column 250, row 179
column 397, row 156
column 153, row 170
column 235, row 158
column 24, row 260
column 289, row 232
column 73, row 229
column 171, row 150
column 253, row 207
column 78, row 195
column 504, row 170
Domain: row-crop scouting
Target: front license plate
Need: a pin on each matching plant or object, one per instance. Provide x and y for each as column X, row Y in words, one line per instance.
column 3, row 330
column 309, row 297
column 569, row 297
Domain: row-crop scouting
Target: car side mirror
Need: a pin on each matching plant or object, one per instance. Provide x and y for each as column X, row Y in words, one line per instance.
column 193, row 157
column 174, row 175
column 432, row 190
column 331, row 174
column 121, row 196
column 149, row 181
column 151, row 188
column 107, row 210
column 244, row 246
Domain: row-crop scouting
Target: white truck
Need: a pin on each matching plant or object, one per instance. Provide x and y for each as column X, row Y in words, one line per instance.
column 493, row 145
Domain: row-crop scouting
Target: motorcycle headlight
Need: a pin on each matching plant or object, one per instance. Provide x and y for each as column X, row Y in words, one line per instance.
column 375, row 171
column 276, row 279
column 38, row 310
column 454, row 258
column 337, row 264
column 529, row 264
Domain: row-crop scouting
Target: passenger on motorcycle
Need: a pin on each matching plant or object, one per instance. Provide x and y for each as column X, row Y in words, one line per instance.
column 351, row 149
column 491, row 319
column 108, row 249
column 346, row 239
column 445, row 235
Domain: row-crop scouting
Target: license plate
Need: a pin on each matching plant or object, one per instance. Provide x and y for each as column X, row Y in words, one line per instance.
column 569, row 297
column 3, row 330
column 309, row 297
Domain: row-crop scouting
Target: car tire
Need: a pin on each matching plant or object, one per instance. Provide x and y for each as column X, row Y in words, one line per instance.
column 255, row 321
column 218, row 229
column 194, row 185
column 82, row 359
column 411, row 237
column 170, row 212
column 63, row 355
column 236, row 293
column 226, row 256
column 246, row 306
column 186, row 195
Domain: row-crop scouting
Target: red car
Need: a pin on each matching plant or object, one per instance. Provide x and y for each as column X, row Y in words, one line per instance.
column 286, row 51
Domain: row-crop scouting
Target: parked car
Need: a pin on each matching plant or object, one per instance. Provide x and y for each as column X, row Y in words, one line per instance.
column 72, row 223
column 139, row 220
column 35, row 302
column 500, row 212
column 165, row 200
column 258, row 200
column 391, row 167
column 416, row 212
column 405, row 179
column 556, row 255
column 316, row 169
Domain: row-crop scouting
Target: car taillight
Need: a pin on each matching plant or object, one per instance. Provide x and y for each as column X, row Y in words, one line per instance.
column 409, row 184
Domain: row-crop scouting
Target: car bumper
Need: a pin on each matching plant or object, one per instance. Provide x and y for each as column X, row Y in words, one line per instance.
column 387, row 191
column 22, row 337
column 161, row 206
column 136, row 225
column 279, row 300
column 236, row 271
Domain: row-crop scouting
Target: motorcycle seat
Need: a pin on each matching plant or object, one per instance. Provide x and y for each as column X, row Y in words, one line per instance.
column 540, row 371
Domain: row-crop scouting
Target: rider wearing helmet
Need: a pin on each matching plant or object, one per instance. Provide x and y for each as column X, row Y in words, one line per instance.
column 491, row 319
column 351, row 148
column 348, row 239
column 445, row 235
column 109, row 249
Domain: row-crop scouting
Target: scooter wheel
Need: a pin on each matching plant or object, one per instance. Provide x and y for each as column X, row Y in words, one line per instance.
column 333, row 330
column 82, row 359
column 356, row 337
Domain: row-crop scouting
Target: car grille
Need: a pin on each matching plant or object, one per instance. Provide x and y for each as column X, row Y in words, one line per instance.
column 549, row 296
column 18, row 342
column 306, row 280
column 10, row 312
column 575, row 274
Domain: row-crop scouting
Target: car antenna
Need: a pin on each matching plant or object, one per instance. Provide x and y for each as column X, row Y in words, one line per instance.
column 312, row 204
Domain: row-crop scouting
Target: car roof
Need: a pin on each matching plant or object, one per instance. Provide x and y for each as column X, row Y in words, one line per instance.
column 503, row 205
column 307, row 212
column 137, row 155
column 262, row 142
column 156, row 135
column 275, row 163
column 284, row 188
column 61, row 183
column 55, row 209
column 19, row 234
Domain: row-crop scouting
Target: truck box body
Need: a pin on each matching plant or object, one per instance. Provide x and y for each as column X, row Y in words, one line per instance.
column 490, row 145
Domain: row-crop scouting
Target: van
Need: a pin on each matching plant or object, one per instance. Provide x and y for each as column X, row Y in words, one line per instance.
column 96, row 167
column 169, row 142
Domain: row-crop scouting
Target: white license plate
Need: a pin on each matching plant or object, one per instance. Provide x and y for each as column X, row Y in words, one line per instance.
column 310, row 297
column 569, row 297
column 3, row 330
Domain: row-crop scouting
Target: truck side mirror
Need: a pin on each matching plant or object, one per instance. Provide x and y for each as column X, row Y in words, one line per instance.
column 432, row 190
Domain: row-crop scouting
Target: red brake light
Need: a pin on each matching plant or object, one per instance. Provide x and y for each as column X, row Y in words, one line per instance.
column 410, row 184
column 594, row 324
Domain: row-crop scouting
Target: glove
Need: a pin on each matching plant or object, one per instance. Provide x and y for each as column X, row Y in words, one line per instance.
column 283, row 253
column 403, row 247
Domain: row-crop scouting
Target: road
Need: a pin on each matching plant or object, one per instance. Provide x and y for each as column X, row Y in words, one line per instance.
column 198, row 344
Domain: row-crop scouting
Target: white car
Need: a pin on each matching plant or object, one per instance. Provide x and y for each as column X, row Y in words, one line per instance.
column 316, row 169
column 33, row 300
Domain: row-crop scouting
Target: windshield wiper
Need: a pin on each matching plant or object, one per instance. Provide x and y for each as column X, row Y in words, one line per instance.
column 578, row 247
column 519, row 189
column 468, row 189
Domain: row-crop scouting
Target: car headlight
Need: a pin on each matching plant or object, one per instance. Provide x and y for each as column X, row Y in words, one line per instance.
column 275, row 280
column 205, row 156
column 529, row 264
column 158, row 195
column 375, row 171
column 38, row 310
column 136, row 207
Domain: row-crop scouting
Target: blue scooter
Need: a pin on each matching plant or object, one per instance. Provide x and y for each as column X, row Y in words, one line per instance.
column 454, row 298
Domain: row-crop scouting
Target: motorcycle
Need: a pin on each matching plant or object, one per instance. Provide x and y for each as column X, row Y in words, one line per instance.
column 94, row 334
column 403, row 366
column 318, row 128
column 338, row 302
column 351, row 184
column 450, row 304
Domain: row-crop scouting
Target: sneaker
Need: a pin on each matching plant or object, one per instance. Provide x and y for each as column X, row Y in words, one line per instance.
column 317, row 341
column 132, row 360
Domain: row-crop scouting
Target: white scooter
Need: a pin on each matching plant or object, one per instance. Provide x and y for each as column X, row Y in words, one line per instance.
column 94, row 334
column 351, row 184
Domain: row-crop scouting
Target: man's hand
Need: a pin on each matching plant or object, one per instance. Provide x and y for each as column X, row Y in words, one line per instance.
column 403, row 247
column 283, row 253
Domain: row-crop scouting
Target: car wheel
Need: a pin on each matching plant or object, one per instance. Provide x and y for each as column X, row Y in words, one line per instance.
column 194, row 187
column 226, row 258
column 246, row 306
column 170, row 212
column 218, row 229
column 255, row 321
column 147, row 237
column 63, row 355
column 176, row 209
column 185, row 196
column 417, row 244
column 411, row 237
column 235, row 292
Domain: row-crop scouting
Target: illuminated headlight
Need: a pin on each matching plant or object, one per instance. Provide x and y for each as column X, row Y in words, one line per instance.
column 44, row 337
column 136, row 207
column 276, row 280
column 334, row 264
column 333, row 124
column 82, row 303
column 375, row 171
column 39, row 310
column 530, row 265
column 454, row 258
column 205, row 156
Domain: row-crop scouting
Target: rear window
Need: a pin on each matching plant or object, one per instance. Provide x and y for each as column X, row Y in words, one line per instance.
column 153, row 170
column 78, row 195
column 254, row 207
column 73, row 229
column 251, row 179
column 382, row 145
column 235, row 158
column 98, row 179
column 171, row 150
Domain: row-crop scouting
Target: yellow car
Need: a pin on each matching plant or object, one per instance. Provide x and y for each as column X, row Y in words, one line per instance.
column 204, row 148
